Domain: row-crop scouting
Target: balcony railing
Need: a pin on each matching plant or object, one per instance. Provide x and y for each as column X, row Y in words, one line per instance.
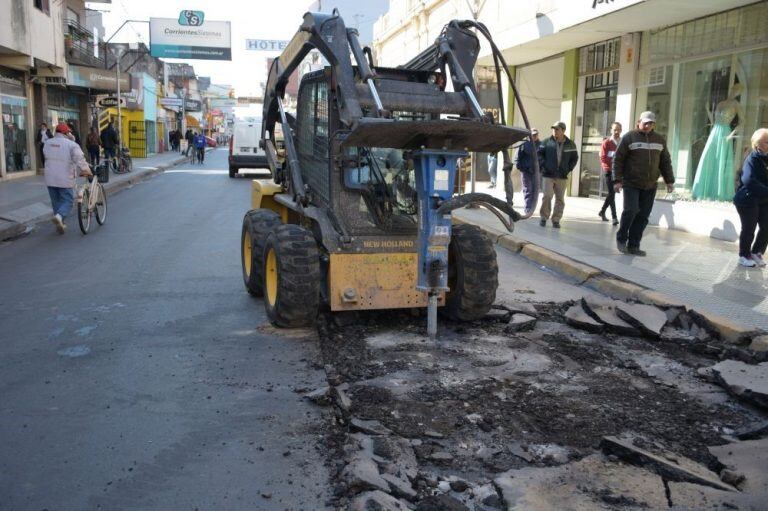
column 79, row 45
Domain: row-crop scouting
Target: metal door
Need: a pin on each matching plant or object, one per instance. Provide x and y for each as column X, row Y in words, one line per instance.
column 137, row 139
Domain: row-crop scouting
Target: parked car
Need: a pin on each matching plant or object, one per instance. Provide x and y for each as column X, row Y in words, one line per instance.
column 211, row 142
column 244, row 150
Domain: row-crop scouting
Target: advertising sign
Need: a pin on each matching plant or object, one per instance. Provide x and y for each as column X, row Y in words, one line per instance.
column 170, row 101
column 105, row 101
column 223, row 102
column 193, row 105
column 94, row 78
column 190, row 37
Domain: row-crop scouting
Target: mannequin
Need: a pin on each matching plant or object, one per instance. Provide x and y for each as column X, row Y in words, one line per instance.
column 714, row 173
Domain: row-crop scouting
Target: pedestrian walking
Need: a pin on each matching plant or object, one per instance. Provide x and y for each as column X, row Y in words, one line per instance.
column 43, row 134
column 190, row 138
column 492, row 169
column 559, row 157
column 93, row 145
column 110, row 141
column 200, row 142
column 73, row 131
column 524, row 161
column 640, row 158
column 751, row 200
column 607, row 151
column 63, row 157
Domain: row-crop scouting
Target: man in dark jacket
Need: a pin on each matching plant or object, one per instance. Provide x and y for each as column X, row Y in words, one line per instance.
column 109, row 141
column 524, row 161
column 559, row 157
column 640, row 158
column 190, row 138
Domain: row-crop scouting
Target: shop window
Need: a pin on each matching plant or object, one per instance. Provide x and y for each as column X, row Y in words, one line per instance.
column 15, row 137
column 708, row 110
column 43, row 5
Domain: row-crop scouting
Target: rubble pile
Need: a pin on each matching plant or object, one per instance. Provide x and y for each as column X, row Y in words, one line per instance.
column 596, row 403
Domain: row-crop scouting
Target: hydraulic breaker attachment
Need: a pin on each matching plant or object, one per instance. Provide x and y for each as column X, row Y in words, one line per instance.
column 435, row 175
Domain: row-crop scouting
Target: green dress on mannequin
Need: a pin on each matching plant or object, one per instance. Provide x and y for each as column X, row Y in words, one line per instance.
column 714, row 174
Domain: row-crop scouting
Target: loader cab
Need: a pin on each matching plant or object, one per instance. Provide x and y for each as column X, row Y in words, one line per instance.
column 370, row 190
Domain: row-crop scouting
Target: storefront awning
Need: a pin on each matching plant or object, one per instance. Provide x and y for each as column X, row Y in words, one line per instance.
column 192, row 122
column 570, row 27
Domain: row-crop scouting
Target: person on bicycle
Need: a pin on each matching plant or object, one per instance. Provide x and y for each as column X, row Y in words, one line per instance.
column 110, row 141
column 62, row 158
column 200, row 147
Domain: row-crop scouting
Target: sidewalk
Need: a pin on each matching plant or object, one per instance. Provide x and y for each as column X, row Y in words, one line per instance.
column 24, row 202
column 695, row 270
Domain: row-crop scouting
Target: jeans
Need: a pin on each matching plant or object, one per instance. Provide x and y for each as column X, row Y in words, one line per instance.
column 93, row 154
column 553, row 186
column 637, row 208
column 530, row 190
column 61, row 200
column 610, row 199
column 751, row 217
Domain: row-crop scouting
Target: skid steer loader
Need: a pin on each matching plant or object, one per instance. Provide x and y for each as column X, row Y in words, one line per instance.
column 357, row 215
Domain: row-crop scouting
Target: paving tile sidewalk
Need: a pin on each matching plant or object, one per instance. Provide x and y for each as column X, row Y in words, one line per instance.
column 695, row 270
column 24, row 202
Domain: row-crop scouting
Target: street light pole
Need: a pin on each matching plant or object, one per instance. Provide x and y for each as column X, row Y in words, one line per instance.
column 119, row 53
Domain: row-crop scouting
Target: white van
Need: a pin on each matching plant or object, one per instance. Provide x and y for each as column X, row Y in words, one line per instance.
column 244, row 150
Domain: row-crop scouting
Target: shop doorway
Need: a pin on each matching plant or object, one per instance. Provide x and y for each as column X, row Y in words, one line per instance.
column 599, row 114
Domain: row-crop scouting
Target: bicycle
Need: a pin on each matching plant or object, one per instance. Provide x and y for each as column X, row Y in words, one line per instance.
column 91, row 198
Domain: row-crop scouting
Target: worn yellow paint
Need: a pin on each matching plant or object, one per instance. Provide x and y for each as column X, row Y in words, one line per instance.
column 247, row 256
column 270, row 278
column 262, row 196
column 379, row 281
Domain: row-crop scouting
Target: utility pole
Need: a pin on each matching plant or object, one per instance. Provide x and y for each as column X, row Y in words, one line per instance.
column 119, row 54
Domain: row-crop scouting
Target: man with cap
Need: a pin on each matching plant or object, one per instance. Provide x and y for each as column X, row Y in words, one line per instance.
column 558, row 157
column 640, row 158
column 63, row 157
column 524, row 161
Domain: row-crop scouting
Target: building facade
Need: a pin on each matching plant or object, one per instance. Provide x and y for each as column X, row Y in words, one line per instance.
column 700, row 65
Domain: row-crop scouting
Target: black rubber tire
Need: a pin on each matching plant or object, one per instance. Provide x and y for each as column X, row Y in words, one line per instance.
column 83, row 215
column 232, row 171
column 296, row 298
column 257, row 223
column 101, row 205
column 473, row 274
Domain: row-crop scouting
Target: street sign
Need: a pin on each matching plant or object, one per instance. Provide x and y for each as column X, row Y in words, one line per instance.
column 109, row 101
column 170, row 101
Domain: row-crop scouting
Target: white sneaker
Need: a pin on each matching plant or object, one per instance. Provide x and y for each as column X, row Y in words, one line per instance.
column 749, row 263
column 758, row 259
column 59, row 223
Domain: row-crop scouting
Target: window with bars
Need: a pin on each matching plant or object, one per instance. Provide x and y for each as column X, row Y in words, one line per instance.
column 730, row 30
column 599, row 57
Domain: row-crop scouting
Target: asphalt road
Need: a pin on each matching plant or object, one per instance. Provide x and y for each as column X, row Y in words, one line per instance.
column 137, row 373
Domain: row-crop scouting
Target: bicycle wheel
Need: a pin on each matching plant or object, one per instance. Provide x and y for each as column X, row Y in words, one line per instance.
column 101, row 204
column 83, row 213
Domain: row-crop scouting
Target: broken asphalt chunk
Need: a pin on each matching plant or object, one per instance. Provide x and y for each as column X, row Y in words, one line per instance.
column 749, row 459
column 399, row 487
column 341, row 397
column 361, row 474
column 378, row 500
column 647, row 318
column 520, row 323
column 368, row 427
column 576, row 317
column 522, row 308
column 747, row 382
column 606, row 314
column 319, row 396
column 670, row 466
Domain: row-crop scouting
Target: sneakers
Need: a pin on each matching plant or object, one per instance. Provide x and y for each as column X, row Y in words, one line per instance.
column 636, row 251
column 602, row 216
column 615, row 221
column 621, row 246
column 543, row 222
column 747, row 263
column 59, row 223
column 758, row 259
column 556, row 225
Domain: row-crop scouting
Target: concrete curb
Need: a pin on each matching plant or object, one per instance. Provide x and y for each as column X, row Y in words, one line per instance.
column 609, row 284
column 10, row 228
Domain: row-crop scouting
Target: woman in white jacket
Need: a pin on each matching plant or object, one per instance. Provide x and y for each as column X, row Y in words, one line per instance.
column 63, row 157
